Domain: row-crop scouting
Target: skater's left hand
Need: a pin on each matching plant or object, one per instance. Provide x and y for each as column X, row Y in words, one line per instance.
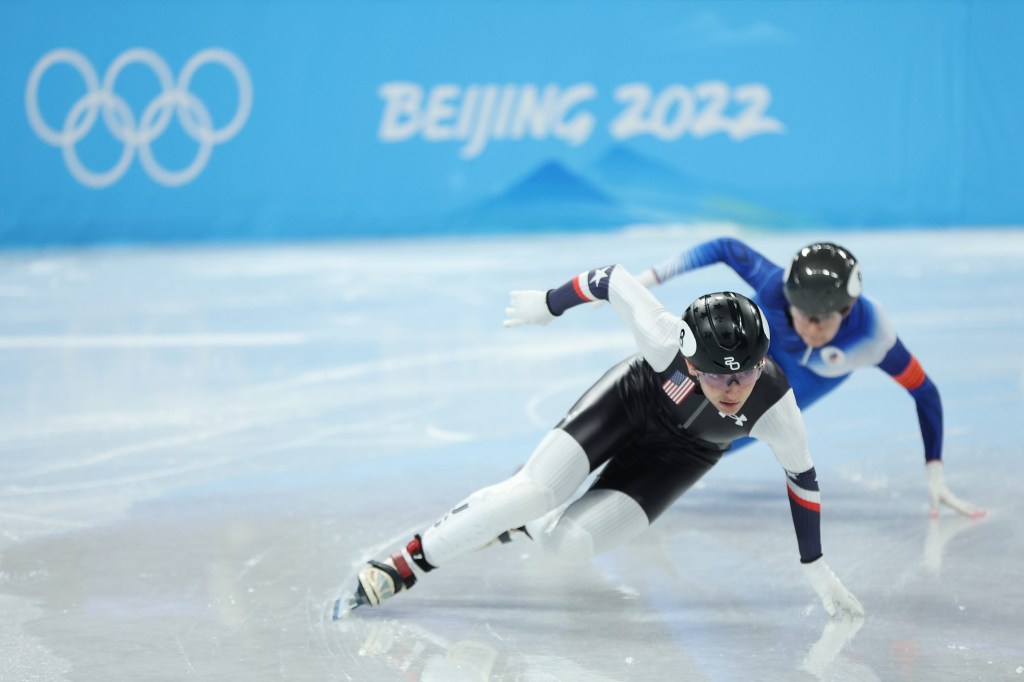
column 648, row 278
column 834, row 595
column 527, row 307
column 939, row 492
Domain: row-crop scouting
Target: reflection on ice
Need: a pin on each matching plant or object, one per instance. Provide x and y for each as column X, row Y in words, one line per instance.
column 821, row 660
column 941, row 532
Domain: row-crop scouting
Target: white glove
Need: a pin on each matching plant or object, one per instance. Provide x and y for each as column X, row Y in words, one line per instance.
column 834, row 597
column 527, row 307
column 939, row 492
column 647, row 278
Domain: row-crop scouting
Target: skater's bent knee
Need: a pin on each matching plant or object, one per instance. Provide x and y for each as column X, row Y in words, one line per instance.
column 559, row 464
column 521, row 498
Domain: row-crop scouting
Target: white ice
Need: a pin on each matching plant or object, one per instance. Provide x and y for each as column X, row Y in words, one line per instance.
column 199, row 447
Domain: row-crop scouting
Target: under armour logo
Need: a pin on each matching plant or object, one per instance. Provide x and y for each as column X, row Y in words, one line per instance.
column 738, row 418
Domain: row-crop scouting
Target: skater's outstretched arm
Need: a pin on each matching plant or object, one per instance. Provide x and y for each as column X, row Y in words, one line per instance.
column 782, row 428
column 905, row 369
column 756, row 270
column 658, row 332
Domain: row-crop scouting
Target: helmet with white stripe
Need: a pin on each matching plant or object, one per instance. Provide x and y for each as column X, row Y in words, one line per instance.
column 822, row 278
column 730, row 331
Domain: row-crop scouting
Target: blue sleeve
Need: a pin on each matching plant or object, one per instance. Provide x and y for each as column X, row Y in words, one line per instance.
column 929, row 414
column 583, row 288
column 902, row 366
column 759, row 272
column 805, row 505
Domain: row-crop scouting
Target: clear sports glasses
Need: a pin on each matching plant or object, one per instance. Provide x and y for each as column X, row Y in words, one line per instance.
column 830, row 317
column 744, row 378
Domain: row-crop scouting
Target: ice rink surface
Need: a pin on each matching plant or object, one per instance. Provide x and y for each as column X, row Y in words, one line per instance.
column 200, row 446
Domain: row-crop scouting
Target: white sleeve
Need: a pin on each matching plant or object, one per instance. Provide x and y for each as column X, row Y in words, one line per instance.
column 881, row 336
column 782, row 428
column 655, row 329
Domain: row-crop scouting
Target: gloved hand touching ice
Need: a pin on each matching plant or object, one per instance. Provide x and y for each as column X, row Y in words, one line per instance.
column 939, row 493
column 834, row 596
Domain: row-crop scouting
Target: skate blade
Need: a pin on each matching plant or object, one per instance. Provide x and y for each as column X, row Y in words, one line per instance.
column 343, row 605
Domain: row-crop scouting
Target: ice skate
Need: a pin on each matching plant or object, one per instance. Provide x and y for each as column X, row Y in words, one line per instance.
column 381, row 580
column 378, row 581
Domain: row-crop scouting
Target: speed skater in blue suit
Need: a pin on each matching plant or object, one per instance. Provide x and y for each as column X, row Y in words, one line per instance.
column 823, row 329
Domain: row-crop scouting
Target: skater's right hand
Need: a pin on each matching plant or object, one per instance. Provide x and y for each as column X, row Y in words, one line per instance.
column 939, row 493
column 834, row 596
column 527, row 307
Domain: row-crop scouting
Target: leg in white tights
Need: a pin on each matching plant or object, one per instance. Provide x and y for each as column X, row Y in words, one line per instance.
column 552, row 474
column 595, row 523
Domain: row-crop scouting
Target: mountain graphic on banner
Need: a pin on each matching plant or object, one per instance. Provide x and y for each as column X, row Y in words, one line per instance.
column 621, row 187
column 551, row 196
column 658, row 192
column 624, row 168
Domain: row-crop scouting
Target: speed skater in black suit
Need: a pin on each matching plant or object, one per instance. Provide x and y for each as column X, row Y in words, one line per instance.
column 657, row 422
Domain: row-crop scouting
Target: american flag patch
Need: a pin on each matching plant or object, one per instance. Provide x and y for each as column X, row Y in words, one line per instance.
column 677, row 387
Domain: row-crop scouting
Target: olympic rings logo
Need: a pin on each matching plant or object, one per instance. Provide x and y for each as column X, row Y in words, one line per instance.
column 175, row 98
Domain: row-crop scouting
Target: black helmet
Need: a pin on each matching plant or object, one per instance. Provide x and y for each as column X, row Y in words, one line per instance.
column 822, row 278
column 730, row 331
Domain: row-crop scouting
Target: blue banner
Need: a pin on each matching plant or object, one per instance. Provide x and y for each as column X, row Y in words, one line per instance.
column 170, row 120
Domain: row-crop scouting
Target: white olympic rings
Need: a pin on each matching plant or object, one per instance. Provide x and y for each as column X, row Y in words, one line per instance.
column 119, row 118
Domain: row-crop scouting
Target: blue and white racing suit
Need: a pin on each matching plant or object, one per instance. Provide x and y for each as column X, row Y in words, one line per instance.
column 865, row 338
